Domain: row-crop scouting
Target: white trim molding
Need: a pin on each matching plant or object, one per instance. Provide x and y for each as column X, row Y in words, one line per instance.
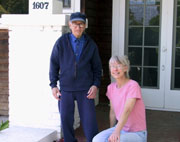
column 118, row 27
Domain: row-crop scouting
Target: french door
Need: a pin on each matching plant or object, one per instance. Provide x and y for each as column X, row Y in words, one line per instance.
column 172, row 85
column 152, row 42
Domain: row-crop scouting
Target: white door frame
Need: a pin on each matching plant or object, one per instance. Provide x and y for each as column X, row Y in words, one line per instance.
column 118, row 27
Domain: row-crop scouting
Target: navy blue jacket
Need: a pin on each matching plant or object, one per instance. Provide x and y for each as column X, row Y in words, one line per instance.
column 75, row 76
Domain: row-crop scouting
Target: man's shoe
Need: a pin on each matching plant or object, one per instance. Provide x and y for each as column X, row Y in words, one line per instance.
column 61, row 140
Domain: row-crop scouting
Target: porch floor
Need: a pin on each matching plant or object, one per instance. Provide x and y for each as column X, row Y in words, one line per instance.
column 162, row 126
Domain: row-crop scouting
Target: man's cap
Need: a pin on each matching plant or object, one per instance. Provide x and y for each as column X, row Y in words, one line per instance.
column 77, row 16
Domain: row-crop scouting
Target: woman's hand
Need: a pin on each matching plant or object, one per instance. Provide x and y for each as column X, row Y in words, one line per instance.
column 115, row 137
column 129, row 105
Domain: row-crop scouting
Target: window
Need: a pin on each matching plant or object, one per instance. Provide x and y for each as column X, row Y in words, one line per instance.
column 70, row 6
column 142, row 41
column 66, row 3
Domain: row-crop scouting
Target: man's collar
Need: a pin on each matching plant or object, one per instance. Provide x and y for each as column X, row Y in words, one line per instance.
column 74, row 38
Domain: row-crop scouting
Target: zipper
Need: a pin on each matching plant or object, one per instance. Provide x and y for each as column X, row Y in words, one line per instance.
column 83, row 50
column 75, row 72
column 75, row 63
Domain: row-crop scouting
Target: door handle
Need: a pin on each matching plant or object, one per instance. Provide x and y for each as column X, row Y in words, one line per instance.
column 163, row 67
column 164, row 49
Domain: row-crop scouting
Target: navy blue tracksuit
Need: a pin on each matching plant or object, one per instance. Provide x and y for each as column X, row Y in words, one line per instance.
column 76, row 77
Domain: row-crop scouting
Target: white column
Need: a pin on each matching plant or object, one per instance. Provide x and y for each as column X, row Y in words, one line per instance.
column 31, row 39
column 118, row 27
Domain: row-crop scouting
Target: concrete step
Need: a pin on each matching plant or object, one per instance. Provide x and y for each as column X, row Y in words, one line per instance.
column 27, row 134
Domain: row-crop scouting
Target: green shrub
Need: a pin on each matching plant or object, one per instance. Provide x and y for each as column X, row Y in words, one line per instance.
column 4, row 125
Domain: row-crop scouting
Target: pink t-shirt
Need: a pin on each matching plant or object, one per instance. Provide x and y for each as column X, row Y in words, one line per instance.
column 118, row 97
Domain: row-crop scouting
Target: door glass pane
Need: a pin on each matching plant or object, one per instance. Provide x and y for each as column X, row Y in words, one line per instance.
column 152, row 15
column 178, row 16
column 136, row 74
column 136, row 2
column 150, row 57
column 177, row 81
column 142, row 42
column 152, row 2
column 150, row 77
column 151, row 36
column 178, row 2
column 135, row 55
column 177, row 37
column 177, row 58
column 135, row 35
column 136, row 15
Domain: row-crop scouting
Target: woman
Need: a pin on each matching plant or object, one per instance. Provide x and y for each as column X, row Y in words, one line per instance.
column 126, row 106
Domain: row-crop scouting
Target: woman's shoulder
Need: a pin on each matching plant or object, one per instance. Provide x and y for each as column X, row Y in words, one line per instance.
column 110, row 89
column 111, row 86
column 133, row 83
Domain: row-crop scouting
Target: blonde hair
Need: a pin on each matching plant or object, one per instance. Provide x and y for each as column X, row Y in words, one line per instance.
column 121, row 60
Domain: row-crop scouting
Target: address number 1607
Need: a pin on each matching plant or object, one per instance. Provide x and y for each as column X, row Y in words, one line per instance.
column 40, row 5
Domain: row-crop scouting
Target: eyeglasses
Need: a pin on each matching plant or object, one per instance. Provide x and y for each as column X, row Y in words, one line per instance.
column 116, row 66
column 75, row 25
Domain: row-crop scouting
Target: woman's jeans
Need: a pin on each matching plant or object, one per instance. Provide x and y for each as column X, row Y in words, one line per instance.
column 140, row 136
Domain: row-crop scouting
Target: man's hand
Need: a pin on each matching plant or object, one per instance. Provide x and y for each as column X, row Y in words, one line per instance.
column 92, row 92
column 56, row 93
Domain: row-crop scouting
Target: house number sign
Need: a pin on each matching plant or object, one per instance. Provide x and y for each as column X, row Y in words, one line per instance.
column 44, row 6
column 40, row 5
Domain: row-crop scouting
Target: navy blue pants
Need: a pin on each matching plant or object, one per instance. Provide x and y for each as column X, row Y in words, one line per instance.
column 87, row 114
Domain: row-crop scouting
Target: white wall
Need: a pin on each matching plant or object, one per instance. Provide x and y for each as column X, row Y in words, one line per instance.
column 31, row 39
column 30, row 99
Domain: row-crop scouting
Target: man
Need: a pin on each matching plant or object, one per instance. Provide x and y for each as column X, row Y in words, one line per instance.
column 75, row 62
